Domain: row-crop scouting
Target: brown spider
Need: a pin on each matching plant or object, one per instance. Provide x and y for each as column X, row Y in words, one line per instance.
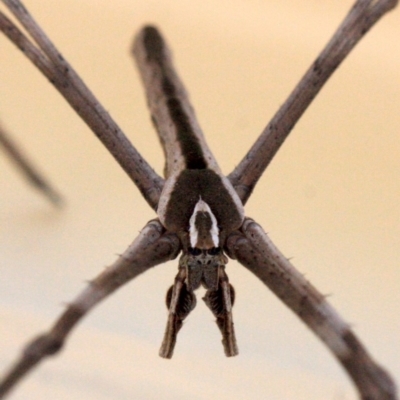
column 240, row 238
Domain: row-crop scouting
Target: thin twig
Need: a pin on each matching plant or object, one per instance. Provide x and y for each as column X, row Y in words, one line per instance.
column 153, row 246
column 28, row 170
column 253, row 248
column 60, row 73
column 363, row 15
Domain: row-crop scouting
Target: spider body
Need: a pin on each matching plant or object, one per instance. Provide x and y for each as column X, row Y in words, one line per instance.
column 183, row 191
column 197, row 202
column 194, row 175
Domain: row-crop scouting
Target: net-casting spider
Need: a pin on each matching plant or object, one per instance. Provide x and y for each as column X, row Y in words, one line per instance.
column 200, row 211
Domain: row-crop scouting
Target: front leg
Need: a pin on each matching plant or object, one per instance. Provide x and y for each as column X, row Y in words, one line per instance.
column 253, row 249
column 200, row 268
column 220, row 302
column 180, row 302
column 153, row 246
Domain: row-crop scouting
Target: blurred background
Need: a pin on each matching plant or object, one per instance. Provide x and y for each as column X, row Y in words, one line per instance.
column 329, row 200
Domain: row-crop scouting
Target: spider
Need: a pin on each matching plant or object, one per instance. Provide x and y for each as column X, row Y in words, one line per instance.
column 200, row 212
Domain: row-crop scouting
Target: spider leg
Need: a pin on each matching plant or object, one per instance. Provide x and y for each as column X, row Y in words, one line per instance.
column 45, row 56
column 361, row 17
column 220, row 302
column 27, row 168
column 153, row 246
column 253, row 249
column 180, row 302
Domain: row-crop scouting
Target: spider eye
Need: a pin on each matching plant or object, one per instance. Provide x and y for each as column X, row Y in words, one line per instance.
column 194, row 251
column 214, row 251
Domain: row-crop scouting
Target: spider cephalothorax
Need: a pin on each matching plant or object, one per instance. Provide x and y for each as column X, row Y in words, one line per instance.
column 201, row 264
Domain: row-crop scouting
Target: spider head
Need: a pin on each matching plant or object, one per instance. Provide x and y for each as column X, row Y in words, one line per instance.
column 203, row 227
column 203, row 256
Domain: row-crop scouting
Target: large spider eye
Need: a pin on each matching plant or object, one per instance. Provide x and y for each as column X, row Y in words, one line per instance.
column 214, row 251
column 194, row 251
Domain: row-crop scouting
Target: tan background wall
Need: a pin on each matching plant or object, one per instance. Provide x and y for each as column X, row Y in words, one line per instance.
column 330, row 199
